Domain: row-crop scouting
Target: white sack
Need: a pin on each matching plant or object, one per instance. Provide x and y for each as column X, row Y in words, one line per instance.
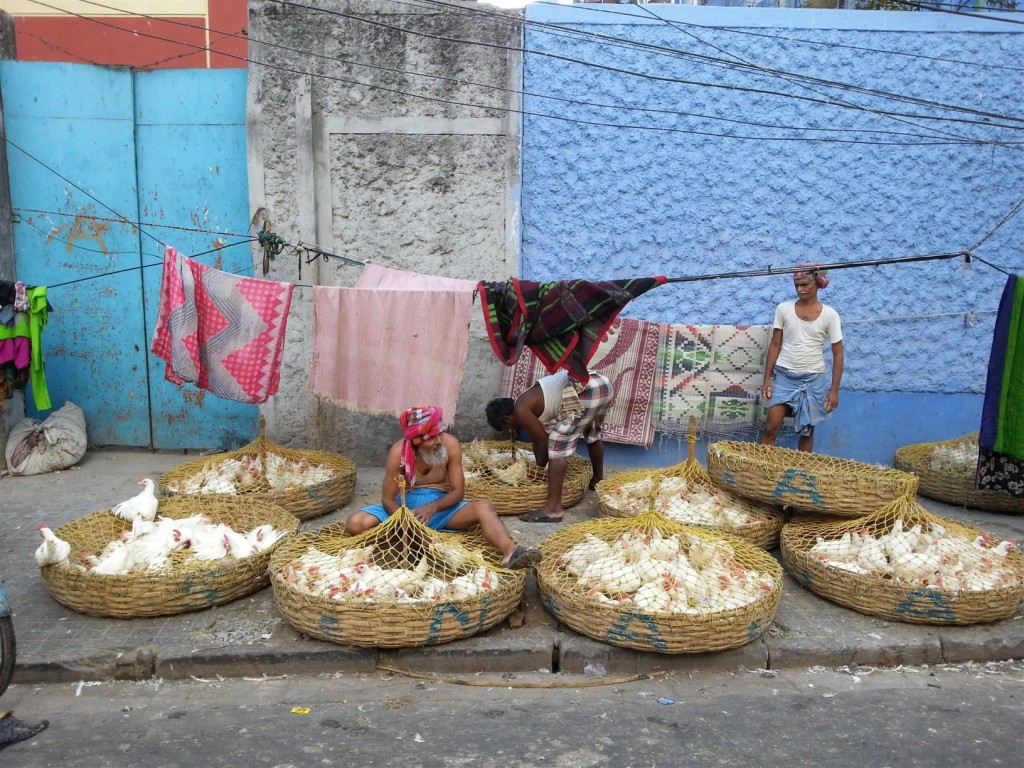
column 57, row 442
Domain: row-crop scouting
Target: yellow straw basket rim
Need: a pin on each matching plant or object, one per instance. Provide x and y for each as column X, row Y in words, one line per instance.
column 659, row 631
column 879, row 595
column 187, row 584
column 384, row 621
column 950, row 481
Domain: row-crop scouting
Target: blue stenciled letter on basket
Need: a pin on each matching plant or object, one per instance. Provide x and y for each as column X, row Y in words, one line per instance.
column 798, row 482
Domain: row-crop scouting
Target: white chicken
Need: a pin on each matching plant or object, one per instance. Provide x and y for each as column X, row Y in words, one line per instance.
column 142, row 506
column 482, row 579
column 114, row 559
column 54, row 550
column 263, row 537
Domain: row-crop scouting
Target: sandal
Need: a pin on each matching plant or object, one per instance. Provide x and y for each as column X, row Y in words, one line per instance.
column 538, row 517
column 523, row 557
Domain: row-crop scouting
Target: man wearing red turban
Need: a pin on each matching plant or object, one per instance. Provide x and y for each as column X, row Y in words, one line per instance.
column 431, row 461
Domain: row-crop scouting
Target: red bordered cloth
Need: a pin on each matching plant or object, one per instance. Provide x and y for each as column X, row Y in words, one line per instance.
column 627, row 354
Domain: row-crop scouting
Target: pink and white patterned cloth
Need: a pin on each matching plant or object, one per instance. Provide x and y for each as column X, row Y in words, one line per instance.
column 627, row 354
column 222, row 332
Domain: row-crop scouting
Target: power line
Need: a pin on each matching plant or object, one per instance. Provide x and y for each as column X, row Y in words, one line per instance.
column 790, row 80
column 125, row 220
column 371, row 86
column 122, row 219
column 664, row 50
column 789, row 38
column 986, row 17
column 618, row 70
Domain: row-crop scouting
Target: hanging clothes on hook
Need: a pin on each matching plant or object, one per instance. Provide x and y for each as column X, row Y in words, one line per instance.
column 222, row 332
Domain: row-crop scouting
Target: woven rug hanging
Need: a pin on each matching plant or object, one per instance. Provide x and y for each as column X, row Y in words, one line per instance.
column 180, row 562
column 306, row 483
column 396, row 585
column 505, row 473
column 652, row 584
column 685, row 493
column 803, row 481
column 903, row 563
column 946, row 473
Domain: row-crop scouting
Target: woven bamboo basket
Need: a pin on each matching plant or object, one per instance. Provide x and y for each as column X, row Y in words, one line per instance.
column 628, row 494
column 946, row 472
column 504, row 473
column 306, row 483
column 187, row 585
column 461, row 591
column 934, row 599
column 807, row 482
column 726, row 620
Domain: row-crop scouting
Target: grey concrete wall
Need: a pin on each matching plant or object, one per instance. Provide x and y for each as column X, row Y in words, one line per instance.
column 369, row 134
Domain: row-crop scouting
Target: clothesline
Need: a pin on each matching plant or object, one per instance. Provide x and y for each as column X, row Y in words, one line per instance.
column 316, row 252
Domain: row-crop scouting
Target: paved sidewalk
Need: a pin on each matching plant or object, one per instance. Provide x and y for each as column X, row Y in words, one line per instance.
column 249, row 636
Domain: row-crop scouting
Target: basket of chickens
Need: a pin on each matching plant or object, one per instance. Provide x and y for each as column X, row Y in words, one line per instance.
column 904, row 564
column 306, row 483
column 397, row 585
column 685, row 493
column 652, row 584
column 946, row 472
column 189, row 555
column 506, row 474
column 803, row 481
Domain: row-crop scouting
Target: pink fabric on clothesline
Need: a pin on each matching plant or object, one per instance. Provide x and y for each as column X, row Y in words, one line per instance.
column 374, row 276
column 222, row 332
column 389, row 350
column 627, row 354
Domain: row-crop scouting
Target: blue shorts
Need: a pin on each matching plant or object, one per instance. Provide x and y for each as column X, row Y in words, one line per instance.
column 417, row 497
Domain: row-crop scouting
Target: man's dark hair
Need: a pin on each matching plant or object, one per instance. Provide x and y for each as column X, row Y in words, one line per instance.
column 498, row 411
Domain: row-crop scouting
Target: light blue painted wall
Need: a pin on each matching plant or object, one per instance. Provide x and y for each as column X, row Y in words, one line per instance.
column 714, row 194
column 109, row 145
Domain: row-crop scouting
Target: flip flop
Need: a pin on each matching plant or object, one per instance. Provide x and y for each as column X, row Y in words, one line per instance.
column 538, row 517
column 13, row 730
column 523, row 557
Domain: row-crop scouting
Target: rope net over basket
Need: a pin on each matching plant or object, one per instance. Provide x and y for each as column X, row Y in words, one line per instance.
column 396, row 585
column 946, row 471
column 506, row 474
column 686, row 494
column 809, row 482
column 195, row 554
column 306, row 483
column 652, row 584
column 905, row 564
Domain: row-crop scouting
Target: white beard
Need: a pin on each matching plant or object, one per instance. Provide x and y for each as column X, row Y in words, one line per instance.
column 438, row 457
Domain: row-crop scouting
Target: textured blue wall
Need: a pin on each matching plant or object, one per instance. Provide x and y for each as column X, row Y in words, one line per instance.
column 751, row 169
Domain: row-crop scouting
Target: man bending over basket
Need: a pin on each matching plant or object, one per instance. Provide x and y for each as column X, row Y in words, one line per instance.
column 431, row 461
column 556, row 412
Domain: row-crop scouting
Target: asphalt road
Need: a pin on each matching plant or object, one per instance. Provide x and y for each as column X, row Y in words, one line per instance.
column 951, row 715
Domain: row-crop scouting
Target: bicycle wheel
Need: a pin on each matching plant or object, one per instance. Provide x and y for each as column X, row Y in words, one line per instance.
column 7, row 652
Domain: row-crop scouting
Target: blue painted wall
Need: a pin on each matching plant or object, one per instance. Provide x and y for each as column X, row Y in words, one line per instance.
column 750, row 169
column 102, row 147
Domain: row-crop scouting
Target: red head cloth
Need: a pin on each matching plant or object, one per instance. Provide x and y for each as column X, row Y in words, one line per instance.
column 813, row 271
column 418, row 424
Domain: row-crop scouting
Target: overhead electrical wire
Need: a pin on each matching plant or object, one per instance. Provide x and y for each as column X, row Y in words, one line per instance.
column 654, row 48
column 658, row 78
column 563, row 118
column 123, row 219
column 790, row 39
column 987, row 17
column 787, row 78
